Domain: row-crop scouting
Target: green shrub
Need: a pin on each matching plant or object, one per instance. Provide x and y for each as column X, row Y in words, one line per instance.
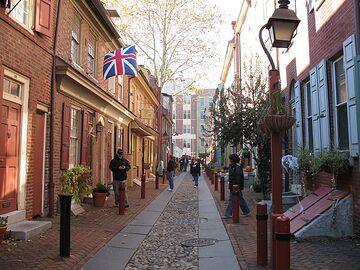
column 77, row 181
column 101, row 188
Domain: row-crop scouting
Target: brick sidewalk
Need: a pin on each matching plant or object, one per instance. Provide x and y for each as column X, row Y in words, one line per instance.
column 89, row 232
column 322, row 254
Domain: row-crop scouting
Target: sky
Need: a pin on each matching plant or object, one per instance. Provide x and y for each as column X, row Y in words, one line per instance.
column 230, row 10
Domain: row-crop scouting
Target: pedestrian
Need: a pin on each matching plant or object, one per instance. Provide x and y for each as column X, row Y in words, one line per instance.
column 181, row 162
column 186, row 163
column 119, row 166
column 170, row 171
column 195, row 171
column 160, row 168
column 236, row 177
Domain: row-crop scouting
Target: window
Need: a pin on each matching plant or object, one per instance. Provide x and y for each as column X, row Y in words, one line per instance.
column 12, row 88
column 75, row 40
column 91, row 53
column 340, row 105
column 111, row 85
column 187, row 114
column 187, row 143
column 202, row 141
column 120, row 87
column 210, row 101
column 202, row 114
column 187, row 100
column 23, row 12
column 174, row 114
column 201, row 102
column 186, row 129
column 75, row 135
column 308, row 117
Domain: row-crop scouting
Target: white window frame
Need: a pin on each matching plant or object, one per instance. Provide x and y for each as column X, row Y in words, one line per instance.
column 187, row 100
column 186, row 129
column 76, row 40
column 111, row 84
column 29, row 23
column 75, row 140
column 336, row 105
column 187, row 114
column 91, row 54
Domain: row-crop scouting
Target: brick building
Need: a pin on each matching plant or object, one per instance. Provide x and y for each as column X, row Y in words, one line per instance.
column 318, row 74
column 26, row 64
column 189, row 114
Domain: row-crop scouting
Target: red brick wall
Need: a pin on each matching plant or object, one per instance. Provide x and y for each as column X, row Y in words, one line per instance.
column 21, row 51
column 325, row 43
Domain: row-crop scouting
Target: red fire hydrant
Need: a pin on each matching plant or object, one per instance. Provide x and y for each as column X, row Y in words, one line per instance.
column 122, row 198
column 222, row 188
column 216, row 181
column 235, row 194
column 282, row 243
column 143, row 186
column 261, row 217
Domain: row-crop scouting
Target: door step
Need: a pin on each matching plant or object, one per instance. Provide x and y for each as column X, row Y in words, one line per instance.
column 26, row 229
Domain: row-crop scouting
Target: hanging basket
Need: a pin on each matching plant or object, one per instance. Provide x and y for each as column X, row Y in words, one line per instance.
column 277, row 123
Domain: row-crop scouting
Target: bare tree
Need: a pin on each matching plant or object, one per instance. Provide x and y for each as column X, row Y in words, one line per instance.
column 175, row 36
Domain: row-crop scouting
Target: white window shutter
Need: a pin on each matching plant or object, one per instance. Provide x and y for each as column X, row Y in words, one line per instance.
column 315, row 111
column 323, row 105
column 349, row 46
column 298, row 115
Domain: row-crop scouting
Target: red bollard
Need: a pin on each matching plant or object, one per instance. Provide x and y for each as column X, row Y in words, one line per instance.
column 261, row 217
column 164, row 176
column 235, row 193
column 143, row 186
column 156, row 181
column 122, row 198
column 282, row 243
column 222, row 188
column 216, row 181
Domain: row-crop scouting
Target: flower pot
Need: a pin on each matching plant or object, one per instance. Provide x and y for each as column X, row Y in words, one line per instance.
column 248, row 168
column 99, row 199
column 278, row 123
column 2, row 232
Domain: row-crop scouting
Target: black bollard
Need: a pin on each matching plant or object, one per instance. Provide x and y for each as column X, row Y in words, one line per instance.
column 65, row 205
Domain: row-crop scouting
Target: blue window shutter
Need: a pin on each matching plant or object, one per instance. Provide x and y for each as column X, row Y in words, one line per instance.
column 298, row 115
column 323, row 105
column 315, row 111
column 357, row 83
column 349, row 67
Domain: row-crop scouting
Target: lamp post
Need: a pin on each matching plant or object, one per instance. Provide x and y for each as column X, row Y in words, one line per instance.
column 281, row 25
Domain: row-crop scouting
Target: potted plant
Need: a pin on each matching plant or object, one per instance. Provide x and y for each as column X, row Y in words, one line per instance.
column 100, row 192
column 309, row 167
column 3, row 227
column 77, row 181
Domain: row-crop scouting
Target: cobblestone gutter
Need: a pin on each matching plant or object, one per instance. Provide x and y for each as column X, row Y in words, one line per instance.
column 162, row 247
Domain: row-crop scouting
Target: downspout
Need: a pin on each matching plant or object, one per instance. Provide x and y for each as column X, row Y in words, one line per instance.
column 52, row 115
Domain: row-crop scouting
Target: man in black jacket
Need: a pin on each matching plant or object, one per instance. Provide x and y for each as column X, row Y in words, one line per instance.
column 170, row 172
column 119, row 166
column 236, row 177
column 195, row 171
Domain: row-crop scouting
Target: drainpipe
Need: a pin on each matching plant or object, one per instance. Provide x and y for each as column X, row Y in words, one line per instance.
column 52, row 115
column 357, row 24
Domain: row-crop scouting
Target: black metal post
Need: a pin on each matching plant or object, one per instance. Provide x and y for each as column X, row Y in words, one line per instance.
column 65, row 205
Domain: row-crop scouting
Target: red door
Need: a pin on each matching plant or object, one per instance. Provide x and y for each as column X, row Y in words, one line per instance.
column 9, row 156
column 39, row 163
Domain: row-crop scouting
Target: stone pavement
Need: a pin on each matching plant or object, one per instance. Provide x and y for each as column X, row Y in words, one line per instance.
column 318, row 254
column 89, row 232
column 162, row 235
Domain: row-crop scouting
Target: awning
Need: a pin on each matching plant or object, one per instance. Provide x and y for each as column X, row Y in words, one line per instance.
column 141, row 129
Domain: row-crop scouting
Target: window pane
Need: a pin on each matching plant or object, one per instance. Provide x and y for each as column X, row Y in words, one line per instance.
column 343, row 134
column 21, row 11
column 310, row 134
column 75, row 40
column 6, row 86
column 308, row 96
column 340, row 82
column 202, row 102
column 74, row 155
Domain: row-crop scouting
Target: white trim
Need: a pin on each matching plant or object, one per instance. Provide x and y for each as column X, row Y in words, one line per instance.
column 42, row 108
column 23, row 135
column 43, row 168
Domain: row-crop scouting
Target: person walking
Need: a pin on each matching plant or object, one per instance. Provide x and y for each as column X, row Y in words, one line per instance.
column 236, row 177
column 119, row 167
column 170, row 172
column 195, row 171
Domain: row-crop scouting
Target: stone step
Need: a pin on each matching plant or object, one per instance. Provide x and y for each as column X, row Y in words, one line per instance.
column 29, row 228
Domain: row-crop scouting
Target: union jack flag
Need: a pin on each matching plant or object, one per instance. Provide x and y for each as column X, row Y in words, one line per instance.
column 119, row 62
